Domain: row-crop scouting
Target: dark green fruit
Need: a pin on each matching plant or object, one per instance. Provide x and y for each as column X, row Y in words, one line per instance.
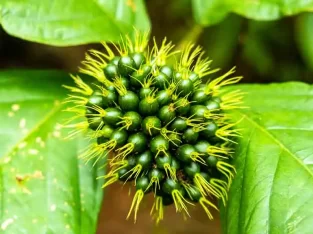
column 125, row 82
column 156, row 173
column 167, row 200
column 123, row 175
column 184, row 152
column 131, row 161
column 101, row 140
column 133, row 120
column 178, row 125
column 212, row 105
column 145, row 160
column 129, row 101
column 197, row 111
column 167, row 70
column 190, row 136
column 202, row 147
column 120, row 136
column 193, row 77
column 163, row 97
column 110, row 71
column 144, row 92
column 138, row 77
column 185, row 87
column 95, row 122
column 178, row 76
column 148, row 106
column 166, row 114
column 175, row 164
column 182, row 106
column 193, row 193
column 162, row 160
column 96, row 99
column 106, row 131
column 211, row 161
column 115, row 60
column 139, row 59
column 209, row 130
column 159, row 144
column 151, row 125
column 140, row 142
column 142, row 183
column 112, row 116
column 126, row 65
column 109, row 98
column 169, row 185
column 192, row 169
column 161, row 81
column 199, row 97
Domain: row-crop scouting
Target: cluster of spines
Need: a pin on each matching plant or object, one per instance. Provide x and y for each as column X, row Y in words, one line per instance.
column 158, row 125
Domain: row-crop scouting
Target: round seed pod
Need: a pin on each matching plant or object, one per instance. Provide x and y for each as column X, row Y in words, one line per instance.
column 138, row 59
column 120, row 136
column 129, row 101
column 159, row 144
column 151, row 125
column 139, row 141
column 126, row 65
column 169, row 185
column 145, row 159
column 112, row 116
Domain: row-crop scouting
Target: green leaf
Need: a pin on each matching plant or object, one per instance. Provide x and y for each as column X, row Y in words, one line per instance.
column 74, row 22
column 272, row 191
column 211, row 12
column 44, row 188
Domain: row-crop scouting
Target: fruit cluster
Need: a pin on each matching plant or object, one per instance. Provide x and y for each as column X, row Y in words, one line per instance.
column 159, row 125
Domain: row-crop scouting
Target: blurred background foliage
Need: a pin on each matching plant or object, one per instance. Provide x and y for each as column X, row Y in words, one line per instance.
column 276, row 46
column 268, row 41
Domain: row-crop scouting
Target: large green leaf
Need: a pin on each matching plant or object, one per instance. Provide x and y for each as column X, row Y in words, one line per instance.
column 44, row 188
column 72, row 22
column 213, row 11
column 272, row 191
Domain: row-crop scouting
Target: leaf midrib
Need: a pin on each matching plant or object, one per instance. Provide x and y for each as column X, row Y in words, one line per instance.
column 275, row 139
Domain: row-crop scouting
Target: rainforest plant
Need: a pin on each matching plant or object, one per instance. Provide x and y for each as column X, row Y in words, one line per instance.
column 157, row 118
column 160, row 126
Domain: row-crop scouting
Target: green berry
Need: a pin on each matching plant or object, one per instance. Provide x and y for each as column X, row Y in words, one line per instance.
column 129, row 101
column 159, row 144
column 142, row 183
column 151, row 125
column 148, row 106
column 145, row 160
column 120, row 136
column 185, row 87
column 126, row 65
column 184, row 152
column 169, row 185
column 139, row 59
column 192, row 169
column 190, row 136
column 112, row 116
column 166, row 114
column 139, row 141
column 178, row 124
column 211, row 161
column 110, row 71
column 162, row 160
